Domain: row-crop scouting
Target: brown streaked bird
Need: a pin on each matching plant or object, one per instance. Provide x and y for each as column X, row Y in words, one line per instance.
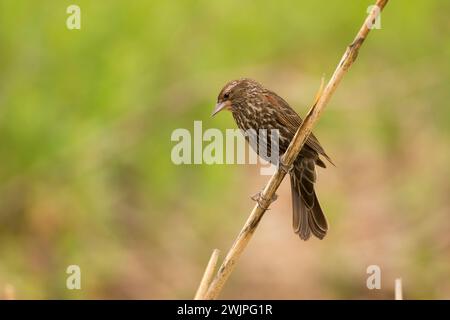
column 254, row 108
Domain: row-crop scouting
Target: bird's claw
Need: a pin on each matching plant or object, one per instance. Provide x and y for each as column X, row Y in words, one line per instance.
column 263, row 203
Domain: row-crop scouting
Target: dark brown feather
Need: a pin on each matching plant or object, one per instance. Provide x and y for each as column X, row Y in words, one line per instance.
column 289, row 118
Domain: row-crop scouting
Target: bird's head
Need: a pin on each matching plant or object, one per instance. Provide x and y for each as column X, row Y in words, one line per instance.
column 235, row 93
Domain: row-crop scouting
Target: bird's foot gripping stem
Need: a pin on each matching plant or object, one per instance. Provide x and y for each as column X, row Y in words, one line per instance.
column 263, row 203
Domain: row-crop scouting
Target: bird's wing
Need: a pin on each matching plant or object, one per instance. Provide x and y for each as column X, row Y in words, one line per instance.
column 289, row 118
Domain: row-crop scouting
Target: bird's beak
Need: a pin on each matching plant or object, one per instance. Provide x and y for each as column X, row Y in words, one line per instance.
column 220, row 106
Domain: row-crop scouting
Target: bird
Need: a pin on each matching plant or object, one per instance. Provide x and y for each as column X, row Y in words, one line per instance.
column 255, row 107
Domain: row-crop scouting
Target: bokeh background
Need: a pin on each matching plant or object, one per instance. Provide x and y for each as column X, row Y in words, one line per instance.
column 86, row 177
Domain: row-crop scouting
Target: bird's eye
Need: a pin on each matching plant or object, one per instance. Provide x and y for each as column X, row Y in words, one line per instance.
column 226, row 95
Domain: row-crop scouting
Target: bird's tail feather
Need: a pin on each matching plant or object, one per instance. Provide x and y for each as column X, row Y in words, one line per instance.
column 308, row 216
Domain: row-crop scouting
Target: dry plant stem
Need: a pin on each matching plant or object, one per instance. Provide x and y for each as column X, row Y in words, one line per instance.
column 398, row 289
column 207, row 275
column 291, row 154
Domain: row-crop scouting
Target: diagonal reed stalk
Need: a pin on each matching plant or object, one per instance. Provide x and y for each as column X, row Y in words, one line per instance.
column 290, row 155
column 207, row 276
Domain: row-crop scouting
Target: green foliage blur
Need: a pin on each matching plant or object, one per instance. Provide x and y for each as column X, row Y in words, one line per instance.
column 86, row 177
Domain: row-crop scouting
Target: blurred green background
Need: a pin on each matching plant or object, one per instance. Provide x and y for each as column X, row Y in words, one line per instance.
column 86, row 176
